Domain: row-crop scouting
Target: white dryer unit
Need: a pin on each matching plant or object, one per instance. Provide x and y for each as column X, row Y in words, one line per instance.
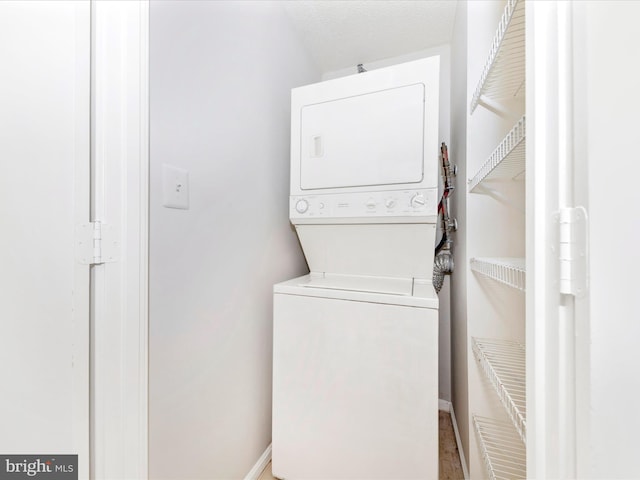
column 355, row 372
column 365, row 147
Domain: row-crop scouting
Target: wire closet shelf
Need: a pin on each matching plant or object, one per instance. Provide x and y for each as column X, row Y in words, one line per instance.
column 503, row 75
column 506, row 270
column 503, row 363
column 507, row 162
column 503, row 453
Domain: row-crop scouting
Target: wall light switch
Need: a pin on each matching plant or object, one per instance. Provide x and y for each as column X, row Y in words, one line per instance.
column 175, row 187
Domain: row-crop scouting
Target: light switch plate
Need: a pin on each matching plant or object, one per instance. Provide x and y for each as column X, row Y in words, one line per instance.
column 175, row 187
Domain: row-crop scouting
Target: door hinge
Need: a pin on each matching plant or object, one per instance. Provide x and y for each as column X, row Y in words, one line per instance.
column 96, row 243
column 572, row 251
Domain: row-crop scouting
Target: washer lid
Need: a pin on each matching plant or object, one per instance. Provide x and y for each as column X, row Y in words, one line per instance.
column 360, row 283
column 391, row 291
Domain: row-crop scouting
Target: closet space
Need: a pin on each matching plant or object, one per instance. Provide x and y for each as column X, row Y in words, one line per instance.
column 496, row 138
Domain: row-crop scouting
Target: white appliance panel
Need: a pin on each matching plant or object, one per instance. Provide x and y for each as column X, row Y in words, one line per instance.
column 362, row 207
column 377, row 250
column 355, row 389
column 363, row 140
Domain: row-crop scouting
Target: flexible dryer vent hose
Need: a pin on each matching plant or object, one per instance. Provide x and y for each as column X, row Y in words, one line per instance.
column 442, row 265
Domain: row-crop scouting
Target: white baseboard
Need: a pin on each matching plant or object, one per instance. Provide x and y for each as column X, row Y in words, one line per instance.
column 444, row 405
column 463, row 461
column 260, row 465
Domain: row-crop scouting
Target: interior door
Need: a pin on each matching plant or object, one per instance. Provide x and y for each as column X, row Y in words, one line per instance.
column 44, row 193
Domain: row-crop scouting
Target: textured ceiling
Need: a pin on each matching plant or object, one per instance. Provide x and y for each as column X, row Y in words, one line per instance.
column 343, row 33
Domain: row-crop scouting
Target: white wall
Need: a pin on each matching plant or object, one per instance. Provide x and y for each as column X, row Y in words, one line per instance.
column 444, row 347
column 221, row 74
column 458, row 151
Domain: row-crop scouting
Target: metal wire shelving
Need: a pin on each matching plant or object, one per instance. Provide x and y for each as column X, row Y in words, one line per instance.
column 503, row 74
column 507, row 270
column 503, row 363
column 503, row 453
column 507, row 162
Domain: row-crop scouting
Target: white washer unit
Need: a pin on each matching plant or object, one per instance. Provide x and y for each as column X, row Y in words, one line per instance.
column 355, row 371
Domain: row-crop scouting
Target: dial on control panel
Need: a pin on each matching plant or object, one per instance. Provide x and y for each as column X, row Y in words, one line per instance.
column 417, row 200
column 302, row 206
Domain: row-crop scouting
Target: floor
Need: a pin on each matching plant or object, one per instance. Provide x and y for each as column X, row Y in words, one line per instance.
column 450, row 467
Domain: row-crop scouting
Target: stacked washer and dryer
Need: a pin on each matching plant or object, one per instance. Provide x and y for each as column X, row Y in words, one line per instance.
column 355, row 363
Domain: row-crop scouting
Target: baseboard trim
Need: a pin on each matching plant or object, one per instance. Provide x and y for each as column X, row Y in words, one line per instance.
column 444, row 405
column 456, row 432
column 260, row 465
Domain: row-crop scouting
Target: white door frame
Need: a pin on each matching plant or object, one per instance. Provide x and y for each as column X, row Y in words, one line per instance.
column 120, row 199
column 551, row 346
column 558, row 328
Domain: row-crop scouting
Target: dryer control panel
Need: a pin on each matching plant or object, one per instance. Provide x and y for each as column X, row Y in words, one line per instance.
column 363, row 205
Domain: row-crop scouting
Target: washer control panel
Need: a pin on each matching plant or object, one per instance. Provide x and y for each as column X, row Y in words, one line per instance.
column 392, row 203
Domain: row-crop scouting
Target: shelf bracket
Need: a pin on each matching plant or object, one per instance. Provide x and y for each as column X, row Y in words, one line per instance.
column 572, row 251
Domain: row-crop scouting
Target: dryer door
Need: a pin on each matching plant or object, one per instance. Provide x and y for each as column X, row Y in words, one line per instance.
column 364, row 140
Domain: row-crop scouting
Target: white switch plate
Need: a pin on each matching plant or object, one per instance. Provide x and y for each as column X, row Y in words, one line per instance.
column 175, row 187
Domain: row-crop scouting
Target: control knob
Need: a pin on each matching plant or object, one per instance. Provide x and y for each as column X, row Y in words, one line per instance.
column 302, row 205
column 417, row 200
